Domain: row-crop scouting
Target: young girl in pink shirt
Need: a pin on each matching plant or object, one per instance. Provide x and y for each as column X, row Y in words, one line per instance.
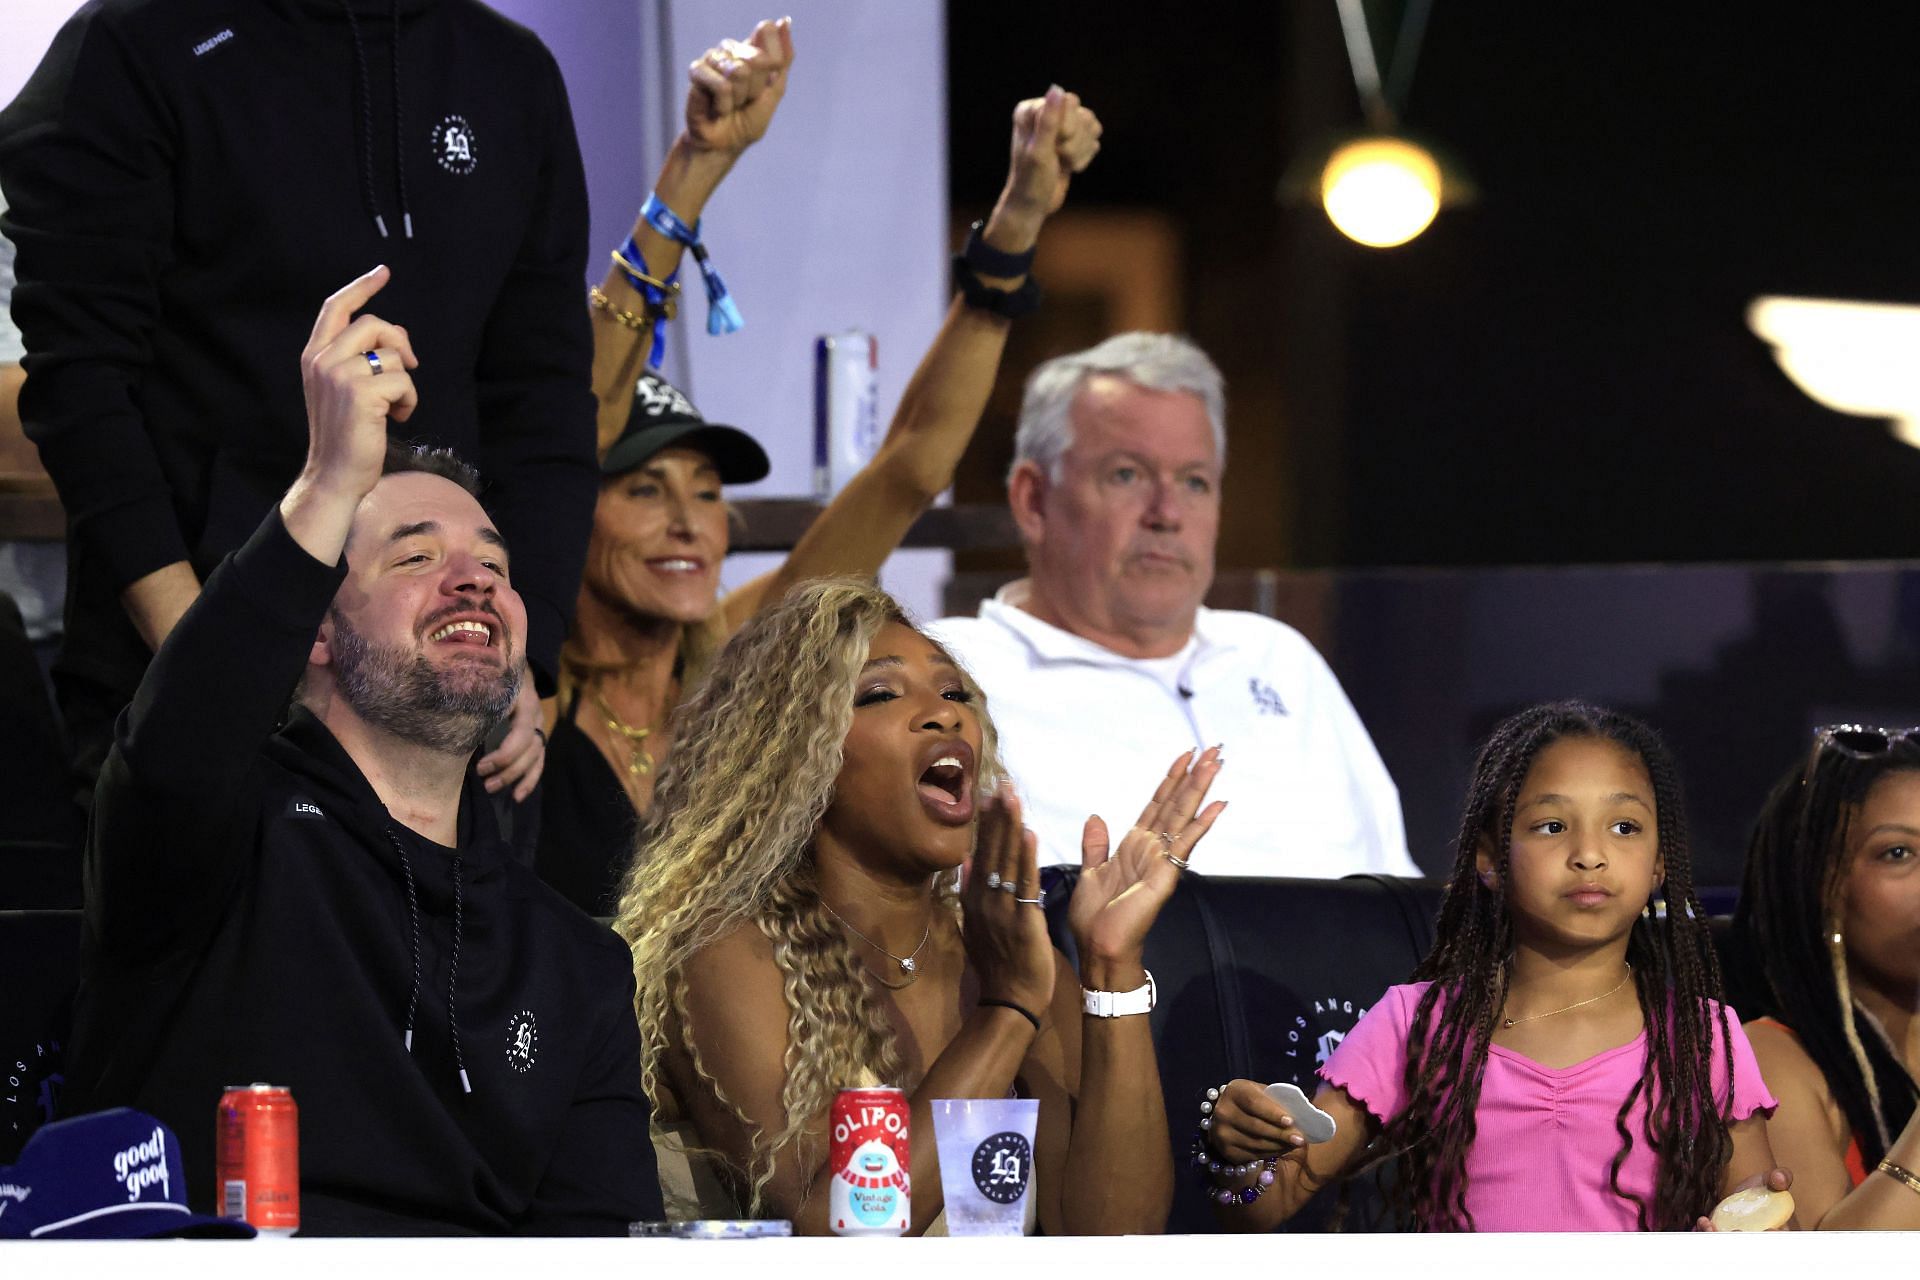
column 1562, row 1061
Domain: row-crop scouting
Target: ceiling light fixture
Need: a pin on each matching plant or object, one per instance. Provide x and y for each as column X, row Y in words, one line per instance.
column 1379, row 187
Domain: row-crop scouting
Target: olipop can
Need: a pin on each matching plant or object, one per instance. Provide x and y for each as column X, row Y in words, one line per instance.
column 257, row 1157
column 871, row 1194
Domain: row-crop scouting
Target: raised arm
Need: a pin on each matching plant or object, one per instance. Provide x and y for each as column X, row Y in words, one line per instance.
column 734, row 89
column 1054, row 137
column 740, row 1020
column 165, row 842
column 1119, row 1119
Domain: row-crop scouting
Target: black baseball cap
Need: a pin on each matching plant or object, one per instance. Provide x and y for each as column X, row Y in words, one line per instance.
column 662, row 416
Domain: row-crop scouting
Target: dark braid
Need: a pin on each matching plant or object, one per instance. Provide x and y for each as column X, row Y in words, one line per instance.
column 1675, row 976
column 1789, row 910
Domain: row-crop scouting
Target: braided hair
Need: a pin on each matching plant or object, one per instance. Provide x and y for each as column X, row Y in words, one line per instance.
column 1788, row 920
column 1675, row 975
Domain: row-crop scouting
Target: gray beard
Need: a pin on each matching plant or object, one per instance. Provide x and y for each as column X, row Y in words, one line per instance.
column 404, row 694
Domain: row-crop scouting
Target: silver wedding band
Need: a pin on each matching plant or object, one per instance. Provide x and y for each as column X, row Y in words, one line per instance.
column 1181, row 863
column 373, row 362
column 1040, row 901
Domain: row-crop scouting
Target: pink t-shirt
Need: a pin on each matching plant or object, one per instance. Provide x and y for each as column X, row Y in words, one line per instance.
column 1545, row 1137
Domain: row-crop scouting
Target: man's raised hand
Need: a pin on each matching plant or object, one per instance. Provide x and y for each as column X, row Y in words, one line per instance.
column 355, row 373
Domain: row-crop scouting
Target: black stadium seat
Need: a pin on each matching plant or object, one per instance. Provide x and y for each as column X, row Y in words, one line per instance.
column 39, row 972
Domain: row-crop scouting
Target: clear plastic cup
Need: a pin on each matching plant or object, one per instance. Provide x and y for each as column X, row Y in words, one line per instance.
column 986, row 1163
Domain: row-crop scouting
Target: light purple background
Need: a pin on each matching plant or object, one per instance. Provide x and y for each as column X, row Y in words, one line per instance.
column 837, row 220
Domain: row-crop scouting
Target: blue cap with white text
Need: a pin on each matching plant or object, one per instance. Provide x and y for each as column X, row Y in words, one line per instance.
column 112, row 1175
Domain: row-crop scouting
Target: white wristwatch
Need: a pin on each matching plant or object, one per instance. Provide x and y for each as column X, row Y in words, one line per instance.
column 1119, row 1004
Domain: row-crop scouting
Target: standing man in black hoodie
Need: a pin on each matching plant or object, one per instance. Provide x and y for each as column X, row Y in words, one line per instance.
column 327, row 905
column 185, row 177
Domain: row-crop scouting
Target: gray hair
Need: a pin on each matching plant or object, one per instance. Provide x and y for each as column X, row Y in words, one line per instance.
column 1156, row 361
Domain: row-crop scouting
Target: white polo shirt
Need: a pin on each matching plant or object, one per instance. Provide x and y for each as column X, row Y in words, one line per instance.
column 1084, row 730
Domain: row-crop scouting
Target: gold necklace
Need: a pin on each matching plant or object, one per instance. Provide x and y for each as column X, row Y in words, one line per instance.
column 642, row 760
column 1534, row 1017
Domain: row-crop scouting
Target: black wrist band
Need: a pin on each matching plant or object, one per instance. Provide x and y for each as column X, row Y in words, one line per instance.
column 1010, row 303
column 989, row 261
column 1008, row 1004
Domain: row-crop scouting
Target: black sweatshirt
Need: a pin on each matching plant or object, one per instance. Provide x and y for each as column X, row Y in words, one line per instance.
column 249, row 918
column 189, row 179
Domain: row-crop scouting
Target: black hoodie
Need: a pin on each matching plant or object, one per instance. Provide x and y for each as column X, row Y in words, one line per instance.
column 189, row 179
column 254, row 914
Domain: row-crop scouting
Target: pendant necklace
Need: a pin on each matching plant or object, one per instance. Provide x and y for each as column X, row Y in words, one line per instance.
column 906, row 962
column 1533, row 1017
column 641, row 760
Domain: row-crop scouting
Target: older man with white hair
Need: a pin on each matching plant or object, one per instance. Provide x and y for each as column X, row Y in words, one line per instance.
column 1103, row 658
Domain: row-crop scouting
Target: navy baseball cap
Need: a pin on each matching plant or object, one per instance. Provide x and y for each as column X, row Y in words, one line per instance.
column 662, row 416
column 111, row 1175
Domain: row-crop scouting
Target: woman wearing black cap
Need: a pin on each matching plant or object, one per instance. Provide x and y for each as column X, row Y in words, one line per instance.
column 649, row 613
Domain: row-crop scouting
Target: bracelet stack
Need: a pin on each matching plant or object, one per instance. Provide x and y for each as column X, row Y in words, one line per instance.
column 1212, row 1170
column 662, row 298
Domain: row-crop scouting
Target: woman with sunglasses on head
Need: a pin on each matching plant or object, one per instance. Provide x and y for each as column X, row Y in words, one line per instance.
column 1830, row 912
column 649, row 612
column 795, row 929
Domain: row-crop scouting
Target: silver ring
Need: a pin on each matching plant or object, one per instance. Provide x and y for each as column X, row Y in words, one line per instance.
column 1010, row 887
column 1181, row 863
column 1040, row 901
column 1166, row 838
column 993, row 879
column 373, row 362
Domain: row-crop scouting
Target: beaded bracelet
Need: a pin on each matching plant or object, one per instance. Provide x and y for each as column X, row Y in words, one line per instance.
column 598, row 300
column 1210, row 1168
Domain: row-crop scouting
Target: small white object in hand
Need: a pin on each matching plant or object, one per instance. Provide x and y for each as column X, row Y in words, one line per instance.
column 1314, row 1124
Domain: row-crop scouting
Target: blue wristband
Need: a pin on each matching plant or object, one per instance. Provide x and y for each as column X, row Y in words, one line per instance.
column 722, row 315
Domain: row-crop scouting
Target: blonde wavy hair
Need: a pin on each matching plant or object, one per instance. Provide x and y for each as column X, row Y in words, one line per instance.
column 755, row 757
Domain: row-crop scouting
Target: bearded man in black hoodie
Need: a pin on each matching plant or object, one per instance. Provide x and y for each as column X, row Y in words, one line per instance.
column 326, row 905
column 185, row 177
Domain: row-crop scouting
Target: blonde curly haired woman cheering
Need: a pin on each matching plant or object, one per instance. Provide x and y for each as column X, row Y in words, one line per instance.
column 795, row 928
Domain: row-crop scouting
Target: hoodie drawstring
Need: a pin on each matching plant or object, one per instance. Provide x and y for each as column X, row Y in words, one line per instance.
column 399, row 127
column 453, row 968
column 453, row 976
column 413, row 927
column 362, row 81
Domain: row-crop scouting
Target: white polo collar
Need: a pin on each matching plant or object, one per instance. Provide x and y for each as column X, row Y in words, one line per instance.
column 1053, row 644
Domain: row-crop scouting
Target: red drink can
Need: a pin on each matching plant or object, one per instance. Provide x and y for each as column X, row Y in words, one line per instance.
column 257, row 1157
column 871, row 1194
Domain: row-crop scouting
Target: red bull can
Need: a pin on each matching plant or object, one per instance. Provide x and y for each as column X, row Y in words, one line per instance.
column 257, row 1157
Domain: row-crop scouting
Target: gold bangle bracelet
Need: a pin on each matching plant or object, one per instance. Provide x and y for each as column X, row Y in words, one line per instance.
column 1893, row 1170
column 665, row 286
